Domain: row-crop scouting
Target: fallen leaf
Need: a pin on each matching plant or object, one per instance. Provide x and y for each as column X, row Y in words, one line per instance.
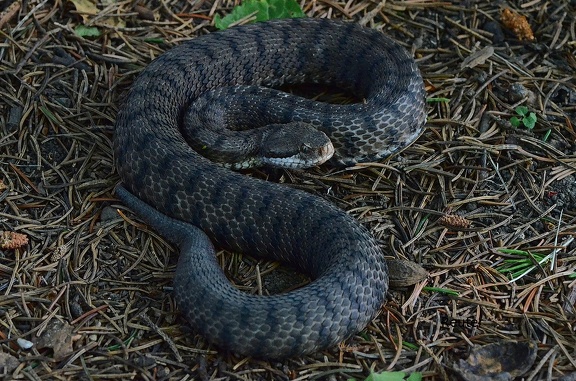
column 477, row 58
column 85, row 8
column 404, row 273
column 57, row 336
column 88, row 9
column 7, row 363
column 500, row 361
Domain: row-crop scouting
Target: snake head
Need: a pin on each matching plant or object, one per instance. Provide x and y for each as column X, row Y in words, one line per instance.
column 295, row 145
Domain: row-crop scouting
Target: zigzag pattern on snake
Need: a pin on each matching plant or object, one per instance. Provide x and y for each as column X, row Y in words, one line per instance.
column 185, row 196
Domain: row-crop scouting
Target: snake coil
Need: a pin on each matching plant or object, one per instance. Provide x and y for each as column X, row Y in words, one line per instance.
column 188, row 198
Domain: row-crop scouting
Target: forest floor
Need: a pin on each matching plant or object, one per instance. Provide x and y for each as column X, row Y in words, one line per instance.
column 89, row 296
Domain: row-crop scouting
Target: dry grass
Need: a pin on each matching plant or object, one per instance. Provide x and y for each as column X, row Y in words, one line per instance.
column 92, row 289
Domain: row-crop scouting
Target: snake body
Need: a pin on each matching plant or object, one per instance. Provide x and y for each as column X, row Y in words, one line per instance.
column 192, row 202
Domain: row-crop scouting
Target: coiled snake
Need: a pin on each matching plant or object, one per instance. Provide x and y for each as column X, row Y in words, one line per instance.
column 159, row 168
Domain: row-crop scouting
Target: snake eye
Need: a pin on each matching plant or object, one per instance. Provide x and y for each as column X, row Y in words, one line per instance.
column 306, row 148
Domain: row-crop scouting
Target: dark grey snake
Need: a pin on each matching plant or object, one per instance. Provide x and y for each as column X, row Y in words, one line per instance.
column 239, row 213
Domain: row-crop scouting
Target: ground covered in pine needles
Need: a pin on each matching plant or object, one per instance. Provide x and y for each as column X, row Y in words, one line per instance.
column 488, row 208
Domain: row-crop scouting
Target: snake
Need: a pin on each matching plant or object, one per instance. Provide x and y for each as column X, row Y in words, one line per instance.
column 169, row 180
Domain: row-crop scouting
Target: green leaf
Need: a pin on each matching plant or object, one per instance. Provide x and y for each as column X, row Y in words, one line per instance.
column 529, row 121
column 49, row 115
column 521, row 110
column 262, row 10
column 365, row 336
column 437, row 100
column 515, row 121
column 441, row 290
column 386, row 376
column 513, row 251
column 524, row 263
column 394, row 376
column 87, row 31
column 409, row 345
column 416, row 376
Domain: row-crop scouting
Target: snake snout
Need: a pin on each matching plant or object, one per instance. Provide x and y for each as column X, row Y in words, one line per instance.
column 315, row 154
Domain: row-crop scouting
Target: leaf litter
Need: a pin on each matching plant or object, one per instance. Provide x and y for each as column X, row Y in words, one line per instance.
column 471, row 185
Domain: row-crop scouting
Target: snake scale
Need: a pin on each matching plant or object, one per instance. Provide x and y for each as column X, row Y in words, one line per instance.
column 193, row 202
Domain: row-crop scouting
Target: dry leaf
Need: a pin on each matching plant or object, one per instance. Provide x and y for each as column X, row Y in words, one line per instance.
column 404, row 273
column 145, row 13
column 7, row 363
column 58, row 336
column 477, row 58
column 86, row 8
column 498, row 361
